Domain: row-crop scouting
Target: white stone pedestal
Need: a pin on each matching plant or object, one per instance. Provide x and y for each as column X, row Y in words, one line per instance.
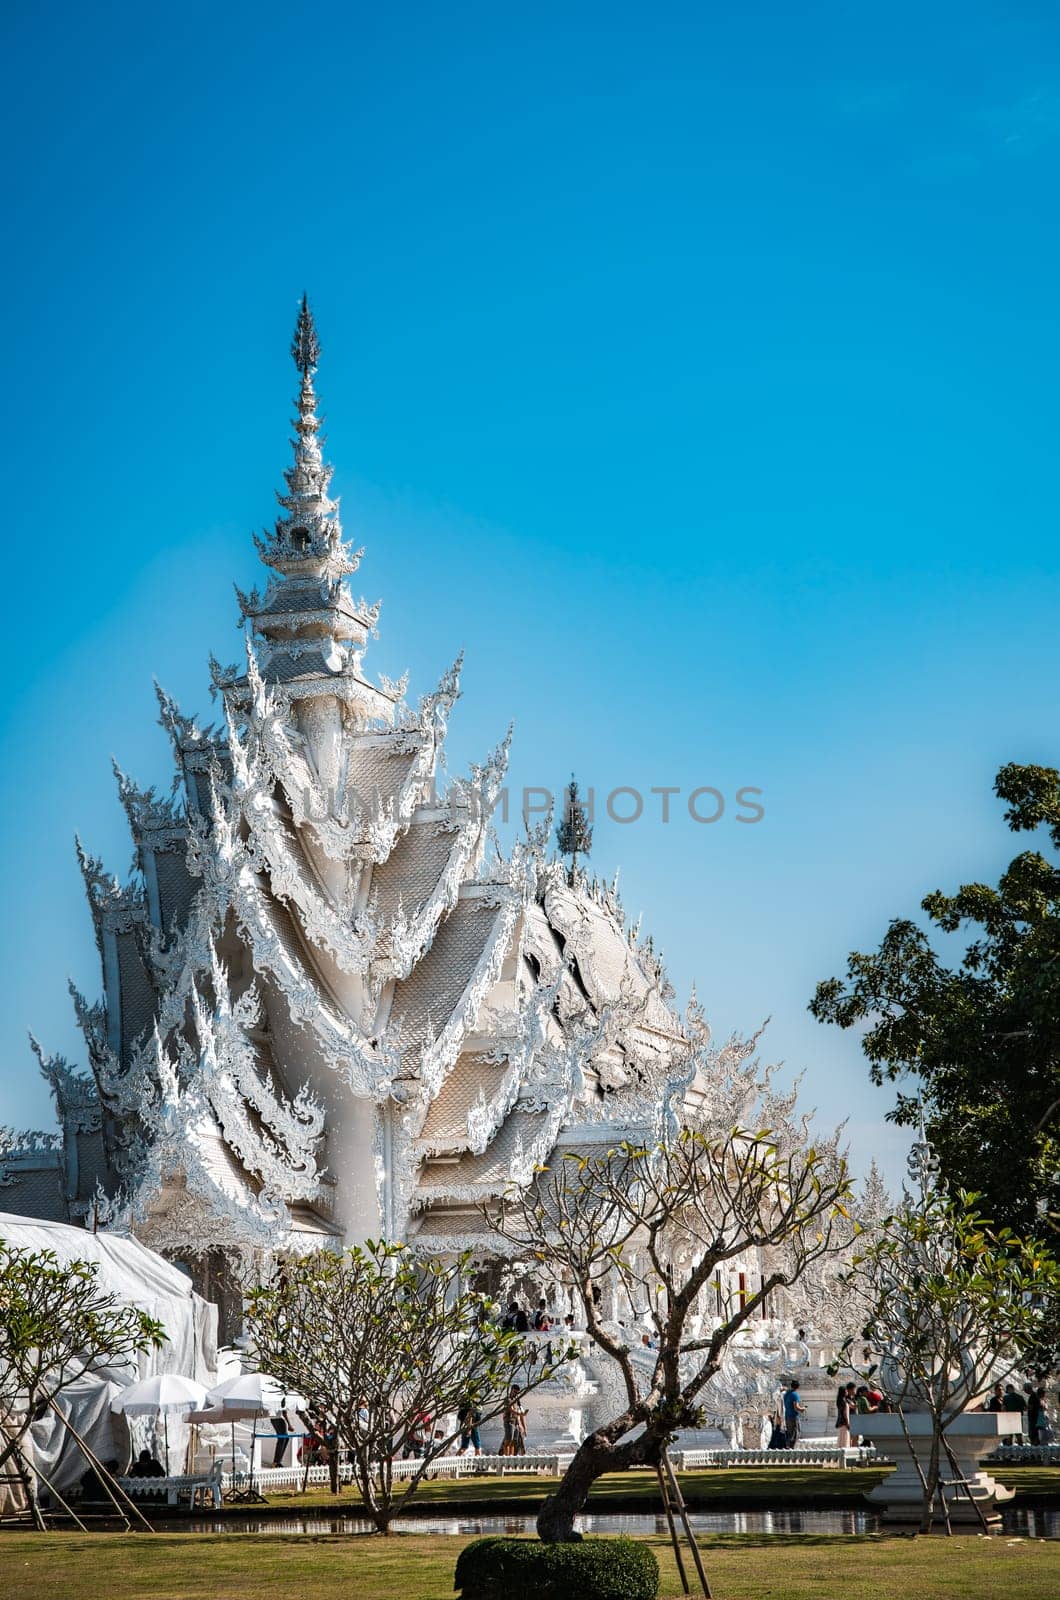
column 973, row 1435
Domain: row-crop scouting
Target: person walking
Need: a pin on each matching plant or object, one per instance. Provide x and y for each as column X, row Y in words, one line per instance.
column 1034, row 1406
column 793, row 1410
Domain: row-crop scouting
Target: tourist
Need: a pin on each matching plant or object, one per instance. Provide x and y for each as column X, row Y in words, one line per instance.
column 778, row 1439
column 468, row 1418
column 1034, row 1407
column 542, row 1320
column 1046, row 1434
column 515, row 1319
column 514, row 1424
column 1017, row 1404
column 325, row 1440
column 418, row 1436
column 997, row 1399
column 147, row 1466
column 844, row 1404
column 281, row 1424
column 793, row 1410
column 863, row 1405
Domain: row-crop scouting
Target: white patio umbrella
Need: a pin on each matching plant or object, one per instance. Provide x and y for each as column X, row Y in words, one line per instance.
column 166, row 1392
column 249, row 1394
column 253, row 1393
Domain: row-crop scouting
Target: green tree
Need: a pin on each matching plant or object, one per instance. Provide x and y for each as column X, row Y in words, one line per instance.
column 655, row 1228
column 385, row 1339
column 980, row 1039
column 56, row 1325
column 952, row 1305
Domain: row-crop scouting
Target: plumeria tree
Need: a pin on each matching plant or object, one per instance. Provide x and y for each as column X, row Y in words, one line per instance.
column 391, row 1345
column 56, row 1325
column 659, row 1229
column 951, row 1306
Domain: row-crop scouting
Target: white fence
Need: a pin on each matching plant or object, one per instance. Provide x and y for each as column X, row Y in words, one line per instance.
column 467, row 1466
column 285, row 1477
column 470, row 1466
column 814, row 1455
column 481, row 1466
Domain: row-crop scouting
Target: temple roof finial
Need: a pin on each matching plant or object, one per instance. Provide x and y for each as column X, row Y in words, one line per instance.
column 305, row 346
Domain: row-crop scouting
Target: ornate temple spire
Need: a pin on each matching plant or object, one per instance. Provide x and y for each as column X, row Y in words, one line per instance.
column 309, row 631
column 305, row 346
column 307, row 541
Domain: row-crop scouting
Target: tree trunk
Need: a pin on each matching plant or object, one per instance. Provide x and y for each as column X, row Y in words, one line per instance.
column 931, row 1487
column 594, row 1456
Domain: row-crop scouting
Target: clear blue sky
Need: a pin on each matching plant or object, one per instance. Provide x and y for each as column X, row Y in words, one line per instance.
column 693, row 366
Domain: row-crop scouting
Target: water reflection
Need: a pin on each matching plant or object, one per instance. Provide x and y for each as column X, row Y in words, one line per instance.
column 1030, row 1524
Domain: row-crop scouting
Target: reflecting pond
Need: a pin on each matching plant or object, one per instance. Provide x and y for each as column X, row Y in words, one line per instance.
column 1030, row 1524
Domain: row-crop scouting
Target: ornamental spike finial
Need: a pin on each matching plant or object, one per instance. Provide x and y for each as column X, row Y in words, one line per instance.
column 305, row 346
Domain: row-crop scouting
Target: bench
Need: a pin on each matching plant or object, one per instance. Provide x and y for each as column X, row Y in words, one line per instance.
column 197, row 1488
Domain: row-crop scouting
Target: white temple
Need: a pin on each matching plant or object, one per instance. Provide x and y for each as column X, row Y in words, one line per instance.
column 332, row 1007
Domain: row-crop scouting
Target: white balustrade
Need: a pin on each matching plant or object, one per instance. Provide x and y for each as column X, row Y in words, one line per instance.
column 800, row 1456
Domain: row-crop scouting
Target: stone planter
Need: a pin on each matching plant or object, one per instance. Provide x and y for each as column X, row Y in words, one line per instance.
column 973, row 1435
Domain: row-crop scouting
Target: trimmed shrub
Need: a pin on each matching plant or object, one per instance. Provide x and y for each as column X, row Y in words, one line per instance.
column 525, row 1569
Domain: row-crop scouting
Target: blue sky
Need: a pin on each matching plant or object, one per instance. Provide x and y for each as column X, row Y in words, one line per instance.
column 694, row 367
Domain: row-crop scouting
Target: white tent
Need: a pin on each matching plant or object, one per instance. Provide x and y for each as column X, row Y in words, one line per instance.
column 138, row 1277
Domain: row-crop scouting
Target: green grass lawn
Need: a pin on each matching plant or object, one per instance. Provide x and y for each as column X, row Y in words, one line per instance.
column 236, row 1566
column 733, row 1488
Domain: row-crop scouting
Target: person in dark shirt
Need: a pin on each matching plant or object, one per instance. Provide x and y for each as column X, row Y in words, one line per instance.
column 793, row 1410
column 1014, row 1401
column 147, row 1466
column 516, row 1319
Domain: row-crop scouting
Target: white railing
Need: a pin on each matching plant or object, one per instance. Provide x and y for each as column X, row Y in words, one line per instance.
column 814, row 1455
column 548, row 1465
column 284, row 1477
column 466, row 1466
column 482, row 1466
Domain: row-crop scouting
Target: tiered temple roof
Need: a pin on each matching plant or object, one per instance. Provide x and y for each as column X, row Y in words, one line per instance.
column 330, row 1008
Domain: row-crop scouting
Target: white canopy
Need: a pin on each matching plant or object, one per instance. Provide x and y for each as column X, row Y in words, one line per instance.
column 252, row 1394
column 166, row 1391
column 138, row 1277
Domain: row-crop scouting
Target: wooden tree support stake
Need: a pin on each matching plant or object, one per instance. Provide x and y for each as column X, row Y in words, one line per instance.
column 679, row 1501
column 672, row 1526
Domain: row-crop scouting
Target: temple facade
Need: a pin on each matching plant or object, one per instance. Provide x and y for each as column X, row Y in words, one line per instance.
column 332, row 1006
